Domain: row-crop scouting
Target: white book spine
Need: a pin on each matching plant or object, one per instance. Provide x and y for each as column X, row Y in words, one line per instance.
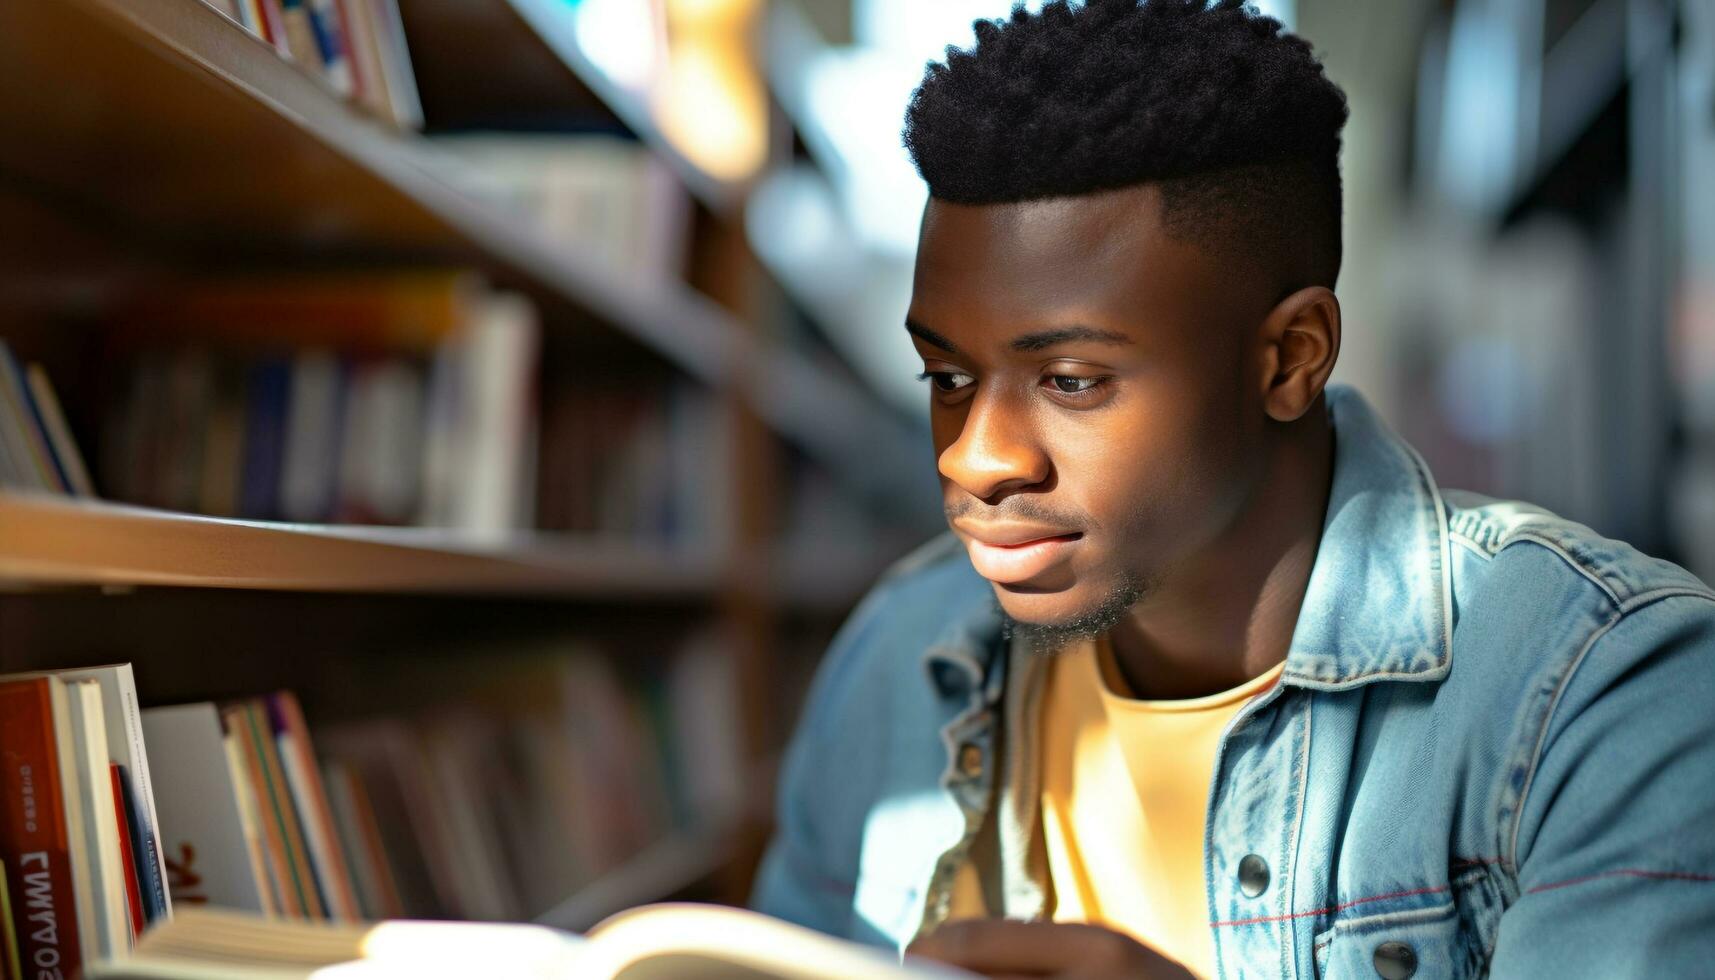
column 101, row 827
column 315, row 832
column 81, row 860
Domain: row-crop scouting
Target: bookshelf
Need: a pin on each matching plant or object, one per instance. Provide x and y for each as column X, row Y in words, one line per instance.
column 183, row 118
column 178, row 145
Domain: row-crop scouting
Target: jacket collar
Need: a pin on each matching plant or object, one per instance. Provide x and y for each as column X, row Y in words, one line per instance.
column 1379, row 605
column 1379, row 602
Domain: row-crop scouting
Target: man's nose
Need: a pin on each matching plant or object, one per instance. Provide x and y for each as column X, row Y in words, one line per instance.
column 996, row 452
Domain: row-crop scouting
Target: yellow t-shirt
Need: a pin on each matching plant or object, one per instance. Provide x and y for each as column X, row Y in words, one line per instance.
column 1124, row 795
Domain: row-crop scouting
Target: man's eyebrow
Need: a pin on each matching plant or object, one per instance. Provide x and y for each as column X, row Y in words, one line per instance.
column 1059, row 335
column 929, row 337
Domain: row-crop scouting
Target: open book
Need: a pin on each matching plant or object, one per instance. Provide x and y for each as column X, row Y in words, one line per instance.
column 656, row 942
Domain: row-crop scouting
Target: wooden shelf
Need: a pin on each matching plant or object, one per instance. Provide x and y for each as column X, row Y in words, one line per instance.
column 58, row 541
column 55, row 541
column 174, row 130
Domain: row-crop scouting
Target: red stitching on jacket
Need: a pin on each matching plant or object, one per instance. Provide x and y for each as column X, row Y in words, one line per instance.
column 1627, row 872
column 1332, row 908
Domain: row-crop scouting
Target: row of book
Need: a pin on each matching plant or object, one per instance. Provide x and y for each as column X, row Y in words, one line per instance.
column 83, row 872
column 607, row 197
column 547, row 773
column 355, row 47
column 37, row 450
column 643, row 459
column 497, row 809
column 403, row 399
column 382, row 400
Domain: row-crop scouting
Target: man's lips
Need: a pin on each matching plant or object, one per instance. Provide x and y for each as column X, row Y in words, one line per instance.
column 1007, row 554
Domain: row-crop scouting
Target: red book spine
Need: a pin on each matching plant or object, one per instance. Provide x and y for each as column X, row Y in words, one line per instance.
column 33, row 833
column 133, row 890
column 274, row 26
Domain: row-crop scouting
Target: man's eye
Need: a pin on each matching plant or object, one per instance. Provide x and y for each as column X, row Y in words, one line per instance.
column 1067, row 384
column 946, row 380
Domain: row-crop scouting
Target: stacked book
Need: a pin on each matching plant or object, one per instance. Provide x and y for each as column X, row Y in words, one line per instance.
column 37, row 450
column 355, row 47
column 83, row 874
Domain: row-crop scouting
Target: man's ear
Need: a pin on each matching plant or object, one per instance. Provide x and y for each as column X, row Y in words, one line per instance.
column 1300, row 341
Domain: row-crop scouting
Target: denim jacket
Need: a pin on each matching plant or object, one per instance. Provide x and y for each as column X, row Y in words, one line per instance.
column 1491, row 752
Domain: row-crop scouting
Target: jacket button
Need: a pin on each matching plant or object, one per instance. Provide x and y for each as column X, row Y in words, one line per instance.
column 1253, row 875
column 1395, row 961
column 970, row 760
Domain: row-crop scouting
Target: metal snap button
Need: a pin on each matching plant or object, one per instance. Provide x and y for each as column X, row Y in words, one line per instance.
column 1253, row 875
column 1395, row 961
column 970, row 760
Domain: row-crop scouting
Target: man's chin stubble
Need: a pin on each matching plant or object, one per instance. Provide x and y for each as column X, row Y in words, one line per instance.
column 1048, row 638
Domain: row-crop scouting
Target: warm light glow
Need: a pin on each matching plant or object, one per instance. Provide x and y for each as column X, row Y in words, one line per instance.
column 622, row 39
column 723, row 14
column 714, row 108
column 402, row 949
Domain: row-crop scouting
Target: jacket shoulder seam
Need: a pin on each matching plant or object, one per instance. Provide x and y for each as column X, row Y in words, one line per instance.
column 1526, row 535
column 1620, row 613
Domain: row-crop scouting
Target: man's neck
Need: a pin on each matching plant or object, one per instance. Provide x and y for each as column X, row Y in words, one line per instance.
column 1228, row 615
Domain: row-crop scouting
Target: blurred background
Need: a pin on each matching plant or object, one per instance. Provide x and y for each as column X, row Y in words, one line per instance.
column 522, row 382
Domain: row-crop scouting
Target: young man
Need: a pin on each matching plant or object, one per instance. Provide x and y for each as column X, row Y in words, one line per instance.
column 1210, row 676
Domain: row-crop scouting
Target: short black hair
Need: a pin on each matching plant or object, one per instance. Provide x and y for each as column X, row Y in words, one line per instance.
column 1228, row 113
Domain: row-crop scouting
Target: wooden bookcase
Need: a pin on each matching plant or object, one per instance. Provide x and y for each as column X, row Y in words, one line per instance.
column 144, row 139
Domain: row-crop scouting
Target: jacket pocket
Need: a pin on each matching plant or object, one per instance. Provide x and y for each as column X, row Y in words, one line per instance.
column 1419, row 943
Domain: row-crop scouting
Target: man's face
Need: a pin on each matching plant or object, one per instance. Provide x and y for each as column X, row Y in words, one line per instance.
column 1095, row 399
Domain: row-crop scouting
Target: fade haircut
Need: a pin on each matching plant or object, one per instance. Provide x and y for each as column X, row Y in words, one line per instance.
column 1229, row 115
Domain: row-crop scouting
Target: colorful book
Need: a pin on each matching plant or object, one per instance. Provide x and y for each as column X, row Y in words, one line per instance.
column 250, row 823
column 372, row 874
column 67, row 456
column 127, row 853
column 367, row 86
column 265, row 439
column 282, row 808
column 40, row 827
column 26, row 452
column 209, row 859
column 303, row 776
column 250, row 15
column 331, row 45
column 124, row 728
column 405, row 107
column 274, row 26
column 301, row 35
column 289, row 888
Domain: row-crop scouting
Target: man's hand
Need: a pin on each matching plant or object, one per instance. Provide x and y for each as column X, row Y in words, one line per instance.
column 1001, row 948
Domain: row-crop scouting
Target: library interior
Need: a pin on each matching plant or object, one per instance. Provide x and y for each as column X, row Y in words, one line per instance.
column 439, row 439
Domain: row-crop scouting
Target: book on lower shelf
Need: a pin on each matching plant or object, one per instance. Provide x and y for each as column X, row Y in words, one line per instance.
column 540, row 773
column 650, row 943
column 78, row 833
